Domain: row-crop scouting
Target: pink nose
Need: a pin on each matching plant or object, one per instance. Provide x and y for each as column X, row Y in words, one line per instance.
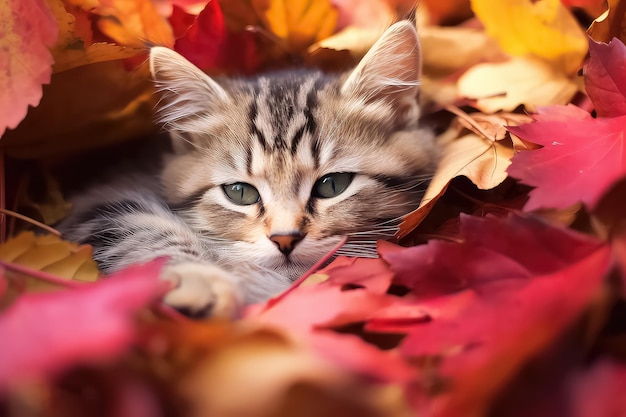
column 286, row 243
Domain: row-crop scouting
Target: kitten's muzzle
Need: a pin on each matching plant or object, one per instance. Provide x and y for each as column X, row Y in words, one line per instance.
column 287, row 242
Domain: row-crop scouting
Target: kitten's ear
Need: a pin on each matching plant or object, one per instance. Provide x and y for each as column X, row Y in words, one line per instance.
column 186, row 91
column 390, row 71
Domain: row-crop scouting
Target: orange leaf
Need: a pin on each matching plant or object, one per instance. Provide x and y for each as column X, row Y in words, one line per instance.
column 130, row 23
column 27, row 29
column 298, row 23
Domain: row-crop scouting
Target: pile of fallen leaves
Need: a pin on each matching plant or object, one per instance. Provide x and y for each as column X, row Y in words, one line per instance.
column 503, row 294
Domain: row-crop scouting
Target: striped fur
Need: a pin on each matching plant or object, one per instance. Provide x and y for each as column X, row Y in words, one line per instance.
column 280, row 132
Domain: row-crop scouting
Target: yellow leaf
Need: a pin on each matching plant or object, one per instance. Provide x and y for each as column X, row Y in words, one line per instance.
column 51, row 254
column 506, row 85
column 541, row 28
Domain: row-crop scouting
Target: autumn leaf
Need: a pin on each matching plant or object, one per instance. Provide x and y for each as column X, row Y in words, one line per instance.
column 580, row 159
column 130, row 23
column 522, row 284
column 609, row 24
column 28, row 29
column 543, row 29
column 605, row 80
column 75, row 326
column 298, row 24
column 75, row 46
column 51, row 254
column 521, row 80
column 594, row 392
column 483, row 156
column 208, row 45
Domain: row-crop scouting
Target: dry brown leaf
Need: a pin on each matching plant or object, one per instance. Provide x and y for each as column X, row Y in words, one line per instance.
column 482, row 160
column 51, row 254
column 119, row 106
column 493, row 126
column 504, row 86
column 611, row 24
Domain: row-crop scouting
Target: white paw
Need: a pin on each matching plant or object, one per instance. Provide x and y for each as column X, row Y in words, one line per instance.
column 202, row 290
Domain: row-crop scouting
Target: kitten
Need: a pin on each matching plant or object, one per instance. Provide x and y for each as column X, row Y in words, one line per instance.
column 267, row 175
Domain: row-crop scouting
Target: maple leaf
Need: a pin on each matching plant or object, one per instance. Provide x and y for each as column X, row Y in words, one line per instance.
column 605, row 80
column 75, row 326
column 28, row 29
column 580, row 159
column 521, row 283
column 208, row 45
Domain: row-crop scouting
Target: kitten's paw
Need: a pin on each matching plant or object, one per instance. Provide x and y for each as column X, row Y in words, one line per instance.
column 202, row 290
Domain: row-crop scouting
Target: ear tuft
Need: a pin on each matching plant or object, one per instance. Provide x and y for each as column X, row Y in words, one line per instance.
column 186, row 90
column 390, row 71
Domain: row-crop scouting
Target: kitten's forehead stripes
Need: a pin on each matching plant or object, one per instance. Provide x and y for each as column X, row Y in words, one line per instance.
column 281, row 112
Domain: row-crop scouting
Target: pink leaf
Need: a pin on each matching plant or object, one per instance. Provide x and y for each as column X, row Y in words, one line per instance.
column 27, row 29
column 581, row 157
column 49, row 332
column 599, row 392
column 324, row 305
column 605, row 77
column 491, row 340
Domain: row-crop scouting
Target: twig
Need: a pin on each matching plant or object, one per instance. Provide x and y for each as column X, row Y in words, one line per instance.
column 44, row 276
column 29, row 220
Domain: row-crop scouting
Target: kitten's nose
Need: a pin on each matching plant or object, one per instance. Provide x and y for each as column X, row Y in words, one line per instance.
column 286, row 243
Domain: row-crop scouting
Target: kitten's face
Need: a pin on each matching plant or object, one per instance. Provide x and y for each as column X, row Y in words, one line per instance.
column 280, row 168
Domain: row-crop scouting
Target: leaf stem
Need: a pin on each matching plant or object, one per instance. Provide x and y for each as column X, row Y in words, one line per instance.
column 29, row 220
column 44, row 276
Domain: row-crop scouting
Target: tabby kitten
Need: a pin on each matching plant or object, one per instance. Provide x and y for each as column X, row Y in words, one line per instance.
column 267, row 175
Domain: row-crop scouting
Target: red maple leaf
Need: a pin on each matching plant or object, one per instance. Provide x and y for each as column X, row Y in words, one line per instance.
column 581, row 157
column 208, row 44
column 605, row 78
column 502, row 294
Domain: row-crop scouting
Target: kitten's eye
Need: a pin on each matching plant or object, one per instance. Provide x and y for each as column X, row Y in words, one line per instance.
column 241, row 193
column 331, row 185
